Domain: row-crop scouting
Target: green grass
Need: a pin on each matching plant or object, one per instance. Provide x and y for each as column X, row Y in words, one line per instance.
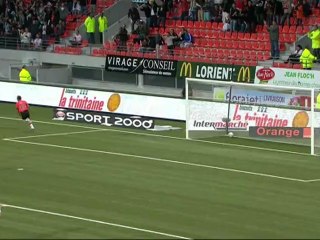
column 167, row 197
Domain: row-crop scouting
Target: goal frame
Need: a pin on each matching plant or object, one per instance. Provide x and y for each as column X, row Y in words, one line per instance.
column 252, row 86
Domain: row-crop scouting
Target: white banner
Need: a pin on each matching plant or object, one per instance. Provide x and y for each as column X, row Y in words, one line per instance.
column 287, row 77
column 213, row 116
column 256, row 97
column 74, row 98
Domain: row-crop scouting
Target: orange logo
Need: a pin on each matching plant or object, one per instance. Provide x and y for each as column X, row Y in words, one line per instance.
column 114, row 102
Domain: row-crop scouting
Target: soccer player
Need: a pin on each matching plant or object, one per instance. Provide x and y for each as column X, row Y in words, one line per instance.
column 23, row 110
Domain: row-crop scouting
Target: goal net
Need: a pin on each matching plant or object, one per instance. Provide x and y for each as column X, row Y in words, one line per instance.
column 287, row 115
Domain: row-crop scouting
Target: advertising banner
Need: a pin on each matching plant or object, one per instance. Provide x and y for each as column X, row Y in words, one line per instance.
column 160, row 67
column 287, row 77
column 234, row 73
column 99, row 118
column 244, row 96
column 278, row 132
column 92, row 100
column 213, row 115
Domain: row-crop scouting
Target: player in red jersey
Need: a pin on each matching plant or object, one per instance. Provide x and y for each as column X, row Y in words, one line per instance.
column 23, row 110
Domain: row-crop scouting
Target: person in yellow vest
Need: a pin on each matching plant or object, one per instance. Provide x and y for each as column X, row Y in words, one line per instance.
column 24, row 75
column 318, row 101
column 307, row 59
column 314, row 35
column 90, row 24
column 103, row 26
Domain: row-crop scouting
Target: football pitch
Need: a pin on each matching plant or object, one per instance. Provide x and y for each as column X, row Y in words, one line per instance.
column 70, row 180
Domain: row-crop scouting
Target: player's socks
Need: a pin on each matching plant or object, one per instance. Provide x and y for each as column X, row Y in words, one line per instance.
column 30, row 123
column 31, row 126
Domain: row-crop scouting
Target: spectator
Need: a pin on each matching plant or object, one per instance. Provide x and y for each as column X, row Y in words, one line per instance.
column 142, row 32
column 269, row 10
column 295, row 56
column 307, row 59
column 234, row 16
column 146, row 8
column 259, row 11
column 274, row 39
column 122, row 38
column 206, row 11
column 103, row 26
column 76, row 7
column 169, row 39
column 34, row 28
column 25, row 38
column 63, row 12
column 193, row 10
column 90, row 27
column 153, row 16
column 145, row 45
column 306, row 8
column 287, row 11
column 278, row 11
column 251, row 17
column 159, row 41
column 162, row 17
column 199, row 5
column 299, row 13
column 226, row 25
column 77, row 39
column 37, row 42
column 314, row 35
column 134, row 16
column 186, row 38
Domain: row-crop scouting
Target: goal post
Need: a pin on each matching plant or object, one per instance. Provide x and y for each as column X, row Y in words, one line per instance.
column 259, row 112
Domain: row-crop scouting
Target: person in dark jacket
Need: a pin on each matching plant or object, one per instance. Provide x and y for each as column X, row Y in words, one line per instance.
column 134, row 16
column 274, row 39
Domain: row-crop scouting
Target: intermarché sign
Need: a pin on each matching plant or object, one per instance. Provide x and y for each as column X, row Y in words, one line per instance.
column 235, row 73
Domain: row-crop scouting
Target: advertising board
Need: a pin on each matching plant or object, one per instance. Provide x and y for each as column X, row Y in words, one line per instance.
column 258, row 97
column 213, row 115
column 92, row 100
column 100, row 118
column 235, row 73
column 137, row 65
column 287, row 77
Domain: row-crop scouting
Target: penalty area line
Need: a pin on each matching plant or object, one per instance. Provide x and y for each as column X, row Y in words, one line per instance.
column 160, row 160
column 168, row 137
column 92, row 221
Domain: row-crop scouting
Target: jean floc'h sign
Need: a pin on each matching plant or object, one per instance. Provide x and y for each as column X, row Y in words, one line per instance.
column 159, row 67
column 106, row 119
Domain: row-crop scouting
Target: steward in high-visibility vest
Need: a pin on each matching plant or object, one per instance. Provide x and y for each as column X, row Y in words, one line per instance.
column 90, row 24
column 318, row 101
column 103, row 25
column 314, row 35
column 307, row 59
column 24, row 75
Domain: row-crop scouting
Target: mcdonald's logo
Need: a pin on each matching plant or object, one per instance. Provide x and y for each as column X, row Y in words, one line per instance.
column 244, row 75
column 186, row 68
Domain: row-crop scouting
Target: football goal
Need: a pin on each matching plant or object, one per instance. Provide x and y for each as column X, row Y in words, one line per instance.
column 253, row 111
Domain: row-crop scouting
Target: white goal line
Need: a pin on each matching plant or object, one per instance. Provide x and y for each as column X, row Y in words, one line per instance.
column 90, row 220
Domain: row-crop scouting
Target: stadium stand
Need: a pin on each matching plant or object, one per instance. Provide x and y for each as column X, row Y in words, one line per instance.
column 247, row 43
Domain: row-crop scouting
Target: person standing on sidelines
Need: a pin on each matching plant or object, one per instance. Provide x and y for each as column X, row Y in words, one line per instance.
column 23, row 110
column 90, row 24
column 314, row 35
column 103, row 26
column 24, row 75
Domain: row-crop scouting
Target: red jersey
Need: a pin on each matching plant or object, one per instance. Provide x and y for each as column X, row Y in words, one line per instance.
column 22, row 106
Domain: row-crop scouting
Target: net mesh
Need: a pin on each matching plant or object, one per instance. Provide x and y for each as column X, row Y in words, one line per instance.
column 259, row 112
